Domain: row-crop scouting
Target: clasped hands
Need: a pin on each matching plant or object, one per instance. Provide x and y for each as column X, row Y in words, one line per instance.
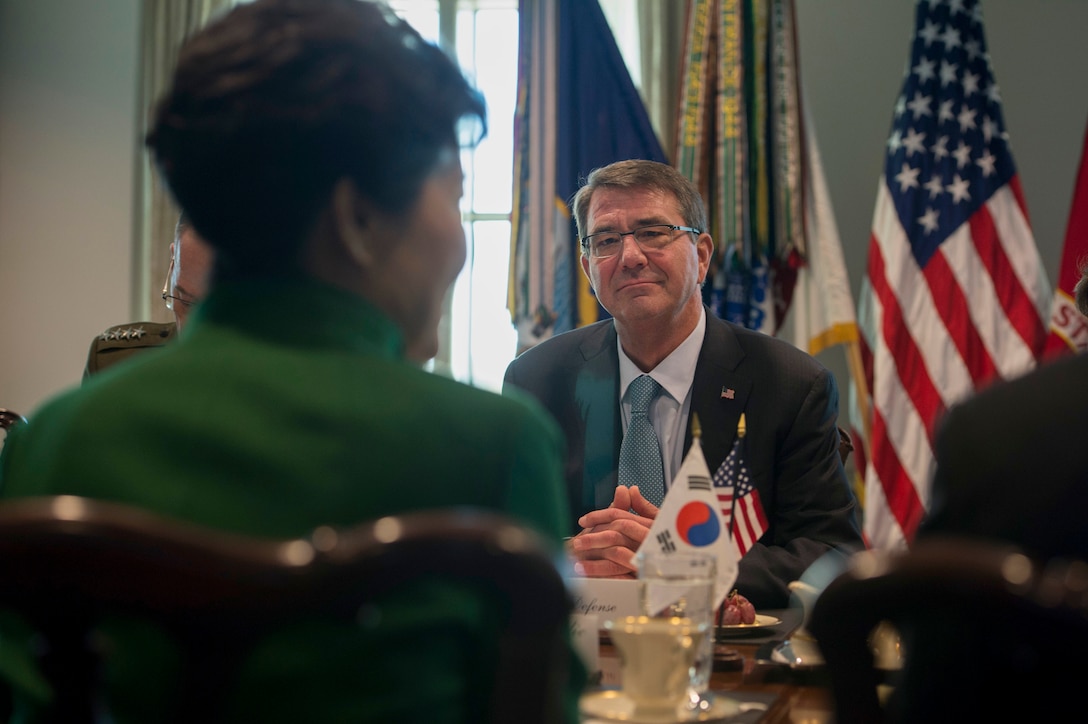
column 606, row 546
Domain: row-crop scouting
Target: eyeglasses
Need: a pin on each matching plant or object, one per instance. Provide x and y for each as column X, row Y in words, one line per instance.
column 654, row 237
column 171, row 300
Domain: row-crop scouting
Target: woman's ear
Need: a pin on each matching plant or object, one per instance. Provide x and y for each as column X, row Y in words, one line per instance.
column 351, row 220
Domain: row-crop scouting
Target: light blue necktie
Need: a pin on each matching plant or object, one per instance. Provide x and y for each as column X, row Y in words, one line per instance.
column 640, row 451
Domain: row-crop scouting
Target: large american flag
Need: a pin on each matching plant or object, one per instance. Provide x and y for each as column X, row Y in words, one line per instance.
column 955, row 294
column 741, row 509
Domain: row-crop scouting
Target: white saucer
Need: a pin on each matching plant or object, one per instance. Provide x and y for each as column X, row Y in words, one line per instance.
column 798, row 653
column 614, row 705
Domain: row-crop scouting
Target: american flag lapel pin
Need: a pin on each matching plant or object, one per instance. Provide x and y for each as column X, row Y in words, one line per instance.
column 728, row 393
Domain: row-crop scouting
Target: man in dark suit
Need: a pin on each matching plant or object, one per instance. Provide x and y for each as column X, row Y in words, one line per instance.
column 186, row 284
column 646, row 255
column 1012, row 463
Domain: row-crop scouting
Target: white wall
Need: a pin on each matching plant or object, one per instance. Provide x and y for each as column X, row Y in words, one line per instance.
column 68, row 87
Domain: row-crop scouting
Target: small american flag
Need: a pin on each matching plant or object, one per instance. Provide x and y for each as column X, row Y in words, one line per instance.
column 728, row 393
column 741, row 507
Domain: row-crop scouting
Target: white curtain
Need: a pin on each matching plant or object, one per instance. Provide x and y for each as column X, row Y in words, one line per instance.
column 165, row 24
column 661, row 39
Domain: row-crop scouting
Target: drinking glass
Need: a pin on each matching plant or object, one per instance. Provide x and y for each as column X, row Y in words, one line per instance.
column 682, row 584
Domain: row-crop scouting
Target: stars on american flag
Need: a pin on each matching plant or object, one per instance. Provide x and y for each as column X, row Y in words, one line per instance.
column 908, row 177
column 948, row 137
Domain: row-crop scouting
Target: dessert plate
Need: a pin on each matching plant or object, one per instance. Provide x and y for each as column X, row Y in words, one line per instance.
column 761, row 622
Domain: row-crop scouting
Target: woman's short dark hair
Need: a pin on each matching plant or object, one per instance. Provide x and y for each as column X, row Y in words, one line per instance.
column 278, row 99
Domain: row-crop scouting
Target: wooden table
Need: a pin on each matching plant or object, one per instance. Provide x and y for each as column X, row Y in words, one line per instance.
column 803, row 697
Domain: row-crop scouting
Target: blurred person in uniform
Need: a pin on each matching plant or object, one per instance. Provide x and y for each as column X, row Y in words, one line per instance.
column 186, row 284
column 315, row 146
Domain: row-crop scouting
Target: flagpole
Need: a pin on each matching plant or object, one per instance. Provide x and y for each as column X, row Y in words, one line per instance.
column 857, row 374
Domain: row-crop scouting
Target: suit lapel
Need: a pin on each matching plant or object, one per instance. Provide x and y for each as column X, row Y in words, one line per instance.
column 719, row 392
column 597, row 395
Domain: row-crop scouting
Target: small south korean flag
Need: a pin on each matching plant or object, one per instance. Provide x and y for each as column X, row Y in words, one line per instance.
column 690, row 519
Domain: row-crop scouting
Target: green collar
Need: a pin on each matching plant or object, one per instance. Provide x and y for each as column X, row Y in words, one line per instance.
column 298, row 312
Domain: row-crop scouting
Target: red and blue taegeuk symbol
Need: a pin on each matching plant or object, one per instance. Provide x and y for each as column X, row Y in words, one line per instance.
column 698, row 524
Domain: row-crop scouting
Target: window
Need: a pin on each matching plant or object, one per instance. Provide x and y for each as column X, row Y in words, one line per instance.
column 479, row 338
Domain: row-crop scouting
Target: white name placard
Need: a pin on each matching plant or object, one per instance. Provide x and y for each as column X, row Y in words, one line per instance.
column 597, row 600
column 605, row 598
column 586, row 637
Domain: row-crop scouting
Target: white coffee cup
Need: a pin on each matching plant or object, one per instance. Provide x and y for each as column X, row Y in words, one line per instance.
column 656, row 657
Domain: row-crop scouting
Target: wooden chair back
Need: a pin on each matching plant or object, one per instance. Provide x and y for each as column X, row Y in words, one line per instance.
column 987, row 634
column 65, row 561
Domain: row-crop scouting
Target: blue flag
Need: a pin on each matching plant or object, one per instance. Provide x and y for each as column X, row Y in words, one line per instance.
column 578, row 109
